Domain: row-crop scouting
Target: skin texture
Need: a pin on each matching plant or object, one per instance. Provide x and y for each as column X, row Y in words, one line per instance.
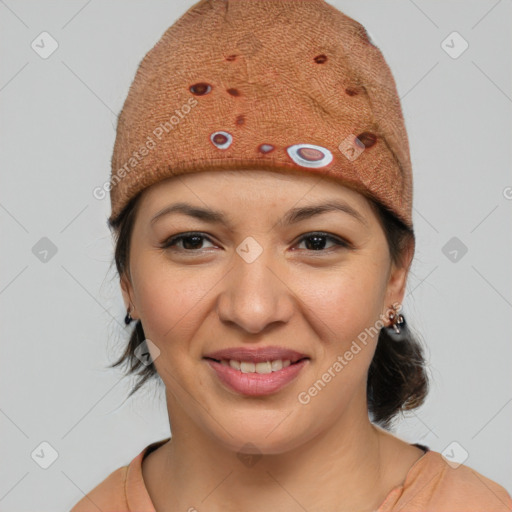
column 324, row 455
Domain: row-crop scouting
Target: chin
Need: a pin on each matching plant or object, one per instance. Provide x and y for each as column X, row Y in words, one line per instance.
column 258, row 436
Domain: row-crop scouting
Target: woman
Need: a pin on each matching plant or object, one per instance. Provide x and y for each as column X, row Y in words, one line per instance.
column 262, row 205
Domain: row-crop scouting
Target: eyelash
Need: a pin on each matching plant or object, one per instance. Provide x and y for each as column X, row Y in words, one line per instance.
column 169, row 242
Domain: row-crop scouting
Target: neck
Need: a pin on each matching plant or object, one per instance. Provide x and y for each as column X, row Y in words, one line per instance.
column 341, row 469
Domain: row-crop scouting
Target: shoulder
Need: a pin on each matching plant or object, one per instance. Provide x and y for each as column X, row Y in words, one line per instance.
column 434, row 484
column 106, row 496
column 124, row 489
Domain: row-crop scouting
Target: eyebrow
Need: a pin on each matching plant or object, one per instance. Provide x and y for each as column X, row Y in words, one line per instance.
column 291, row 217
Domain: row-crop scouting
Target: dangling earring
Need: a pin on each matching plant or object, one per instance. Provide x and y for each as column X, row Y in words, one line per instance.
column 128, row 318
column 397, row 330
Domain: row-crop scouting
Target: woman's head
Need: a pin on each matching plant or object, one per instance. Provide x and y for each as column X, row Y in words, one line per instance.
column 238, row 119
column 268, row 269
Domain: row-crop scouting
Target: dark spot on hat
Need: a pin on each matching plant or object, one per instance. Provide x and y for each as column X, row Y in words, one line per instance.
column 231, row 57
column 200, row 88
column 221, row 139
column 313, row 155
column 366, row 139
column 234, row 92
column 240, row 119
column 350, row 92
column 265, row 148
column 309, row 155
column 320, row 59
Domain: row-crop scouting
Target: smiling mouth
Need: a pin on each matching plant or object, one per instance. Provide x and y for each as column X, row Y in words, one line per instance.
column 261, row 367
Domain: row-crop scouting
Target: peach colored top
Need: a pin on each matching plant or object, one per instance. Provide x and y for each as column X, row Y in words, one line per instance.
column 431, row 485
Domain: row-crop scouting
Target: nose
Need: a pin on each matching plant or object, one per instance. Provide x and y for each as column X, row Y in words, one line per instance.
column 256, row 295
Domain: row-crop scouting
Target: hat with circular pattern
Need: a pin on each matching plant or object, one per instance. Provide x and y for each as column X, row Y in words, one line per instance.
column 288, row 85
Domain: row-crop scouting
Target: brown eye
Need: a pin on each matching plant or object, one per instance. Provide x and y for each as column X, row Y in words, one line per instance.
column 190, row 242
column 316, row 242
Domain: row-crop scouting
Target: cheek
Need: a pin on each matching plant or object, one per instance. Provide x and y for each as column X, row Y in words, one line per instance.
column 346, row 301
column 172, row 303
column 161, row 298
column 345, row 308
column 164, row 310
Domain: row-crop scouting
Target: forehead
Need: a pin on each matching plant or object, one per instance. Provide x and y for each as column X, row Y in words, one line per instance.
column 225, row 188
column 247, row 198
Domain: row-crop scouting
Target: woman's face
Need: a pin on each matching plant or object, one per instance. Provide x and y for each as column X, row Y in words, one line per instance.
column 264, row 270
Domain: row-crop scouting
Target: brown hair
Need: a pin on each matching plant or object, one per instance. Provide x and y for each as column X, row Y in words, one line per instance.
column 397, row 379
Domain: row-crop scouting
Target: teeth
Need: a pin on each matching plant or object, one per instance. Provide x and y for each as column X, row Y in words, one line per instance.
column 277, row 365
column 234, row 364
column 263, row 367
column 247, row 367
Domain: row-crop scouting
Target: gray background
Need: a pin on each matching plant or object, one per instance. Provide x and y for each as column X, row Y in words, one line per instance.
column 62, row 313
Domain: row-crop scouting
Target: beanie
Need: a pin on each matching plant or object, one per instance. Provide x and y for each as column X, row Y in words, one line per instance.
column 281, row 85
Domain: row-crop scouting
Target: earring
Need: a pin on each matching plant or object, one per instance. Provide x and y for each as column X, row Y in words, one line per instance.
column 128, row 318
column 397, row 330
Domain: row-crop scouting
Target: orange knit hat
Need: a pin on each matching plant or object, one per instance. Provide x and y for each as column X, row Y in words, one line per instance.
column 270, row 85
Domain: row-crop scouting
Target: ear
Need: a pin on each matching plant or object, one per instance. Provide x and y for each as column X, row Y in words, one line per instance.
column 127, row 291
column 397, row 281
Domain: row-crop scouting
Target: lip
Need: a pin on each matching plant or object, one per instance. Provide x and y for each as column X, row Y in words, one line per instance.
column 256, row 355
column 257, row 384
